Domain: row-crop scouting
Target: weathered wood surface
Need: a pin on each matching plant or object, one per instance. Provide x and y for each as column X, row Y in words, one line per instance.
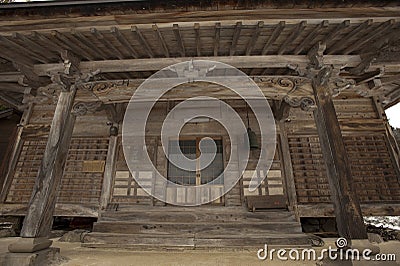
column 264, row 61
column 61, row 209
column 347, row 207
column 15, row 153
column 255, row 203
column 225, row 227
column 39, row 218
column 326, row 210
column 109, row 172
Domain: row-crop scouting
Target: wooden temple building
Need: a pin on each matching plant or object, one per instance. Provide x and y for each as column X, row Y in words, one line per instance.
column 69, row 68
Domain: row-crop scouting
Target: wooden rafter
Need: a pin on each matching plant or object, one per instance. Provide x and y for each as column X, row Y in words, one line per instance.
column 78, row 35
column 20, row 48
column 179, row 40
column 142, row 40
column 160, row 37
column 254, row 37
column 329, row 38
column 34, row 45
column 67, row 43
column 379, row 31
column 307, row 41
column 275, row 35
column 235, row 38
column 123, row 41
column 198, row 38
column 349, row 37
column 292, row 37
column 108, row 44
column 217, row 34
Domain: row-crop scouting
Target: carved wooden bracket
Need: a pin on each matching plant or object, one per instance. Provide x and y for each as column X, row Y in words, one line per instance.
column 323, row 74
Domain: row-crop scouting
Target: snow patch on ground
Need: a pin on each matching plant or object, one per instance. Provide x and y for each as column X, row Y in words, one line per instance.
column 390, row 222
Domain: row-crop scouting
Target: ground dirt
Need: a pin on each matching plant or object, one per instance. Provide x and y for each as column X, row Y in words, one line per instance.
column 78, row 256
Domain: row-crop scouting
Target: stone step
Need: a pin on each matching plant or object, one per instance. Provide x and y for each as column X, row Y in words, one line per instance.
column 215, row 227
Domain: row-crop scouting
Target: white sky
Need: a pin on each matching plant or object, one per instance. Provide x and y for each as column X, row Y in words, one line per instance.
column 393, row 114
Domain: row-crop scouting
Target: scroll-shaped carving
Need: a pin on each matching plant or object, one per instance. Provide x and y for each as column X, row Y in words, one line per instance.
column 82, row 108
column 305, row 103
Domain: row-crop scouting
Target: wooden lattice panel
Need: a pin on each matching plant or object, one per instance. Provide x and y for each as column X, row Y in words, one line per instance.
column 26, row 171
column 81, row 182
column 309, row 170
column 373, row 173
column 77, row 186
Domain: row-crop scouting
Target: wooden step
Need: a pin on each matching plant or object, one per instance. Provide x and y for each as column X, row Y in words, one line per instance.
column 192, row 241
column 165, row 214
column 216, row 227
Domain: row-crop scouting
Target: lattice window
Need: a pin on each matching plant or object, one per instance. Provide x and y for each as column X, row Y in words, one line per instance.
column 77, row 185
column 309, row 170
column 84, row 170
column 373, row 173
column 26, row 171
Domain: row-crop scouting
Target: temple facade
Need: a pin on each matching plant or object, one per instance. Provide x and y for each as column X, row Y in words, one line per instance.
column 327, row 70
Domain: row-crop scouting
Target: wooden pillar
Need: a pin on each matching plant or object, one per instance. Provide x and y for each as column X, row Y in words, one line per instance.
column 39, row 219
column 109, row 172
column 348, row 214
column 287, row 166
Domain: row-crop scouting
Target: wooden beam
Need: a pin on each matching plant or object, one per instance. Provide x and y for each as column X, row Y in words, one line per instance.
column 160, row 38
column 109, row 172
column 34, row 45
column 10, row 101
column 235, row 38
column 198, row 38
column 217, row 33
column 287, row 166
column 379, row 31
column 108, row 44
column 329, row 38
column 348, row 38
column 311, row 37
column 14, row 87
column 66, row 43
column 139, row 36
column 84, row 41
column 266, row 61
column 275, row 35
column 39, row 218
column 123, row 41
column 281, row 110
column 254, row 37
column 12, row 45
column 348, row 214
column 292, row 37
column 179, row 40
